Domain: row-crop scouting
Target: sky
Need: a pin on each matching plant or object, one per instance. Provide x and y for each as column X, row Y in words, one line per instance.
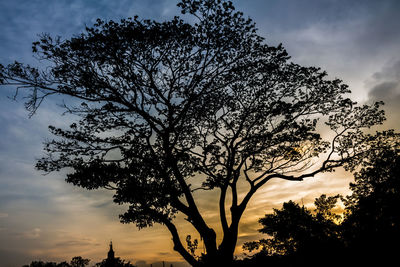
column 44, row 218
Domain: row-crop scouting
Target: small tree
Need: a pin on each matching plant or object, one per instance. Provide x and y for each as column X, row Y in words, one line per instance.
column 78, row 261
column 63, row 264
column 42, row 264
column 170, row 108
column 298, row 231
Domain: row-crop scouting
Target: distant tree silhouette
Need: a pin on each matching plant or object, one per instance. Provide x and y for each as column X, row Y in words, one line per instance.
column 41, row 264
column 63, row 264
column 170, row 108
column 117, row 263
column 78, row 261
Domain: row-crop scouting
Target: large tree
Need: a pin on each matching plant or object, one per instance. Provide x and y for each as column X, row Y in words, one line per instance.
column 169, row 108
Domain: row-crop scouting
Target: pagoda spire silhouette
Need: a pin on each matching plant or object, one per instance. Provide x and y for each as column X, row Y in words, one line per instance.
column 111, row 254
column 111, row 261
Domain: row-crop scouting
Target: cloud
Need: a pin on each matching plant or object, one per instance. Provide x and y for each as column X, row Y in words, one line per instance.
column 163, row 253
column 384, row 90
column 385, row 86
column 77, row 243
column 31, row 234
column 349, row 39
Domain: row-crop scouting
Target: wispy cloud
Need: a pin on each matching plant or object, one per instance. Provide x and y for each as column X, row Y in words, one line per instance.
column 77, row 243
column 30, row 234
column 384, row 86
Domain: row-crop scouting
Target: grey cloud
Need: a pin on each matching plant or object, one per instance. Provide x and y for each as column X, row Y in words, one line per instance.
column 388, row 72
column 77, row 243
column 22, row 20
column 294, row 14
column 384, row 90
column 385, row 86
column 349, row 39
column 30, row 234
column 163, row 253
column 104, row 204
column 377, row 21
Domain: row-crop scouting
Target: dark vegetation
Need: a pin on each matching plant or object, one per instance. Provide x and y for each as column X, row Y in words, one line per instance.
column 366, row 235
column 81, row 262
column 165, row 110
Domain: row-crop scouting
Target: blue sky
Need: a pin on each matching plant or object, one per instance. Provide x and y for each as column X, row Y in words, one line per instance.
column 42, row 217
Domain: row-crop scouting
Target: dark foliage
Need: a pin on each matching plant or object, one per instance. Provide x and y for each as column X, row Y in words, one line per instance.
column 366, row 235
column 77, row 261
column 116, row 263
column 372, row 223
column 168, row 108
column 81, row 262
column 298, row 235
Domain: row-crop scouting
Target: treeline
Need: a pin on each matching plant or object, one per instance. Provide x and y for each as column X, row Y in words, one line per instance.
column 366, row 234
column 81, row 262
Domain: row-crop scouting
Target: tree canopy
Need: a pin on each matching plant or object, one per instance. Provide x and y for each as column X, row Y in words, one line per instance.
column 372, row 219
column 167, row 108
column 366, row 233
column 299, row 233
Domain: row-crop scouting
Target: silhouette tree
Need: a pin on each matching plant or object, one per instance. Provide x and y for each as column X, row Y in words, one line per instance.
column 295, row 230
column 299, row 236
column 47, row 264
column 63, row 264
column 116, row 263
column 41, row 264
column 366, row 234
column 78, row 261
column 289, row 228
column 371, row 226
column 170, row 108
